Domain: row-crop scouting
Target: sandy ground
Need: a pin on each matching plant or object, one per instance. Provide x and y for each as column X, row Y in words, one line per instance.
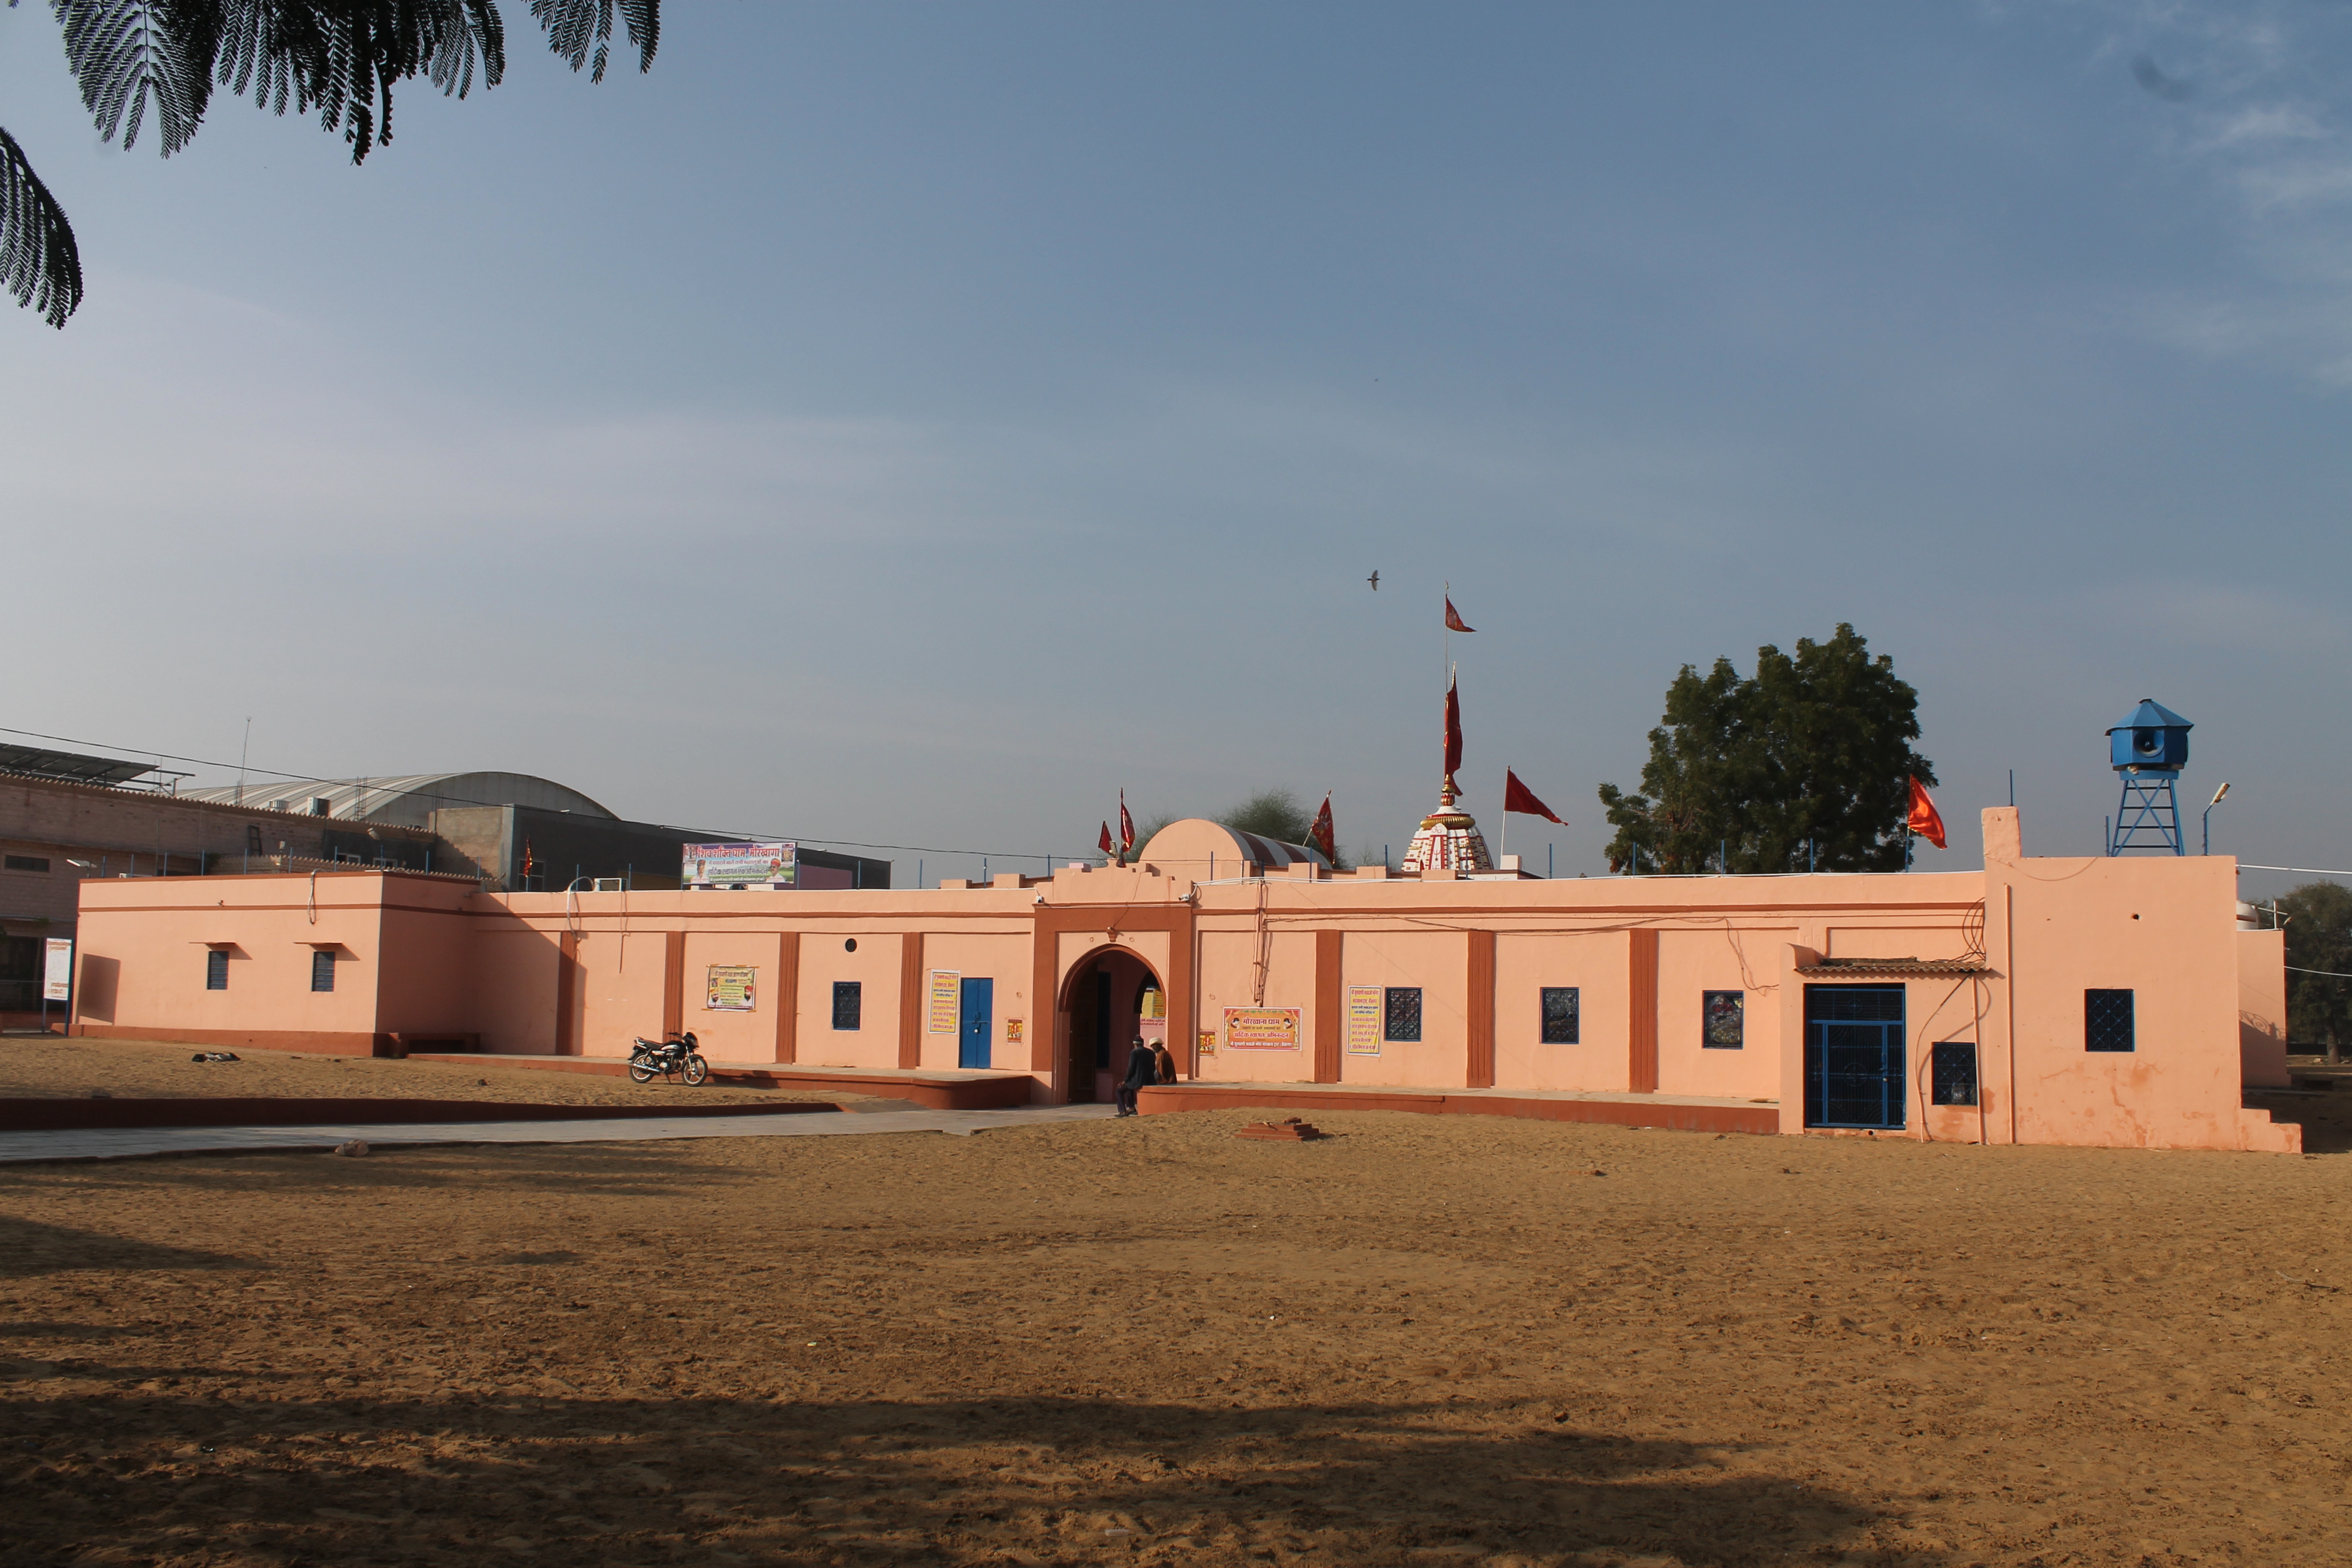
column 127, row 1069
column 1423, row 1340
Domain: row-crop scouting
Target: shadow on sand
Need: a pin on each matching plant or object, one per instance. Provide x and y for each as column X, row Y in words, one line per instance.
column 1023, row 1481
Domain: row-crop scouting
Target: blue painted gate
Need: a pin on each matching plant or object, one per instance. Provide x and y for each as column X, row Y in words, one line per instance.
column 1854, row 1055
column 973, row 1018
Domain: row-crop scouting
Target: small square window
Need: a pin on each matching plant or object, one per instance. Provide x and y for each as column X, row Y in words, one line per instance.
column 216, row 970
column 1727, row 1027
column 323, row 970
column 2107, row 1021
column 849, row 1003
column 1952, row 1072
column 28, row 862
column 1559, row 1015
column 1400, row 1013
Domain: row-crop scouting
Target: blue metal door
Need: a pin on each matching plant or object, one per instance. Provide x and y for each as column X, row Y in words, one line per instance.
column 1854, row 1055
column 979, row 1002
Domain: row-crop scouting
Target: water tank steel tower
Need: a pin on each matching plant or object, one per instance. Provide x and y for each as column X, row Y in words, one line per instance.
column 2148, row 751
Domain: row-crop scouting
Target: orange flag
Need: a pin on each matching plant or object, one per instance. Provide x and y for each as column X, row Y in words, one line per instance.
column 1126, row 828
column 1924, row 819
column 1453, row 617
column 1321, row 836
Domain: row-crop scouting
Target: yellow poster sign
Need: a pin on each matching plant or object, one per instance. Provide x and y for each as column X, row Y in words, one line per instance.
column 1262, row 1028
column 947, row 997
column 1364, row 1020
column 732, row 988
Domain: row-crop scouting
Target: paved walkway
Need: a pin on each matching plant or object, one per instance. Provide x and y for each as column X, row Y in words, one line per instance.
column 131, row 1142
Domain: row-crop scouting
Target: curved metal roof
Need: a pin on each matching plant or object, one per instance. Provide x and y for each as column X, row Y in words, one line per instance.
column 408, row 800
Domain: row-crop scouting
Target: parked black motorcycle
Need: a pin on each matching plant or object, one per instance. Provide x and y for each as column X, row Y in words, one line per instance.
column 673, row 1054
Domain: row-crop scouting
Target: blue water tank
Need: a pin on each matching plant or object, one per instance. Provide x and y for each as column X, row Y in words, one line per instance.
column 2154, row 739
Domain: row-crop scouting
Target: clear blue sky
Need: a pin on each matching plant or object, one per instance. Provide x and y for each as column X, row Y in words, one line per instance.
column 910, row 423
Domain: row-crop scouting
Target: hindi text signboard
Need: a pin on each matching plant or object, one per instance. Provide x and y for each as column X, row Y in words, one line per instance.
column 733, row 988
column 57, row 980
column 1261, row 1028
column 740, row 865
column 947, row 993
column 1363, row 1020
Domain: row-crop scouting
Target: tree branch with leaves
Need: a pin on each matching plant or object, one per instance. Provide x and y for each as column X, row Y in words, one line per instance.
column 135, row 58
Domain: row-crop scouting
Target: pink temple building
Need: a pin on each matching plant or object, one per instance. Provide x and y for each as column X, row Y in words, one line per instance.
column 2104, row 1001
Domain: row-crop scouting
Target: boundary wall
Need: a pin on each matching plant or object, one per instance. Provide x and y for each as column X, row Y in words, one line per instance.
column 1683, row 988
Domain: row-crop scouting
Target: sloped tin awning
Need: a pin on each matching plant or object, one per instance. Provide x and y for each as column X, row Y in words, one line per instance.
column 1892, row 968
column 70, row 766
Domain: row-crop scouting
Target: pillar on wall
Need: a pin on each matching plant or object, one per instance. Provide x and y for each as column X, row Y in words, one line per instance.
column 910, row 1000
column 1328, row 1011
column 567, row 992
column 1642, row 1012
column 786, row 994
column 1479, row 1071
column 673, row 982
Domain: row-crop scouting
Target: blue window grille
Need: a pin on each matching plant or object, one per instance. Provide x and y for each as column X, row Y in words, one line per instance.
column 1400, row 1018
column 1727, row 1021
column 1952, row 1072
column 323, row 970
column 2107, row 1021
column 1854, row 1066
column 216, row 970
column 1560, row 1020
column 849, row 1003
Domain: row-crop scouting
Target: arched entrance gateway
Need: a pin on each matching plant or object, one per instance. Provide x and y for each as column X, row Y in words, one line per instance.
column 1111, row 999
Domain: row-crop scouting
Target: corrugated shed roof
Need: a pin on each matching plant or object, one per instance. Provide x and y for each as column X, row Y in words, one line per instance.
column 410, row 799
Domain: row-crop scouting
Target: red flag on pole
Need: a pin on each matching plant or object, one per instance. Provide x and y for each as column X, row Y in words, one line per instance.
column 1453, row 617
column 1104, row 843
column 1518, row 798
column 1320, row 835
column 1452, row 731
column 1126, row 828
column 1924, row 819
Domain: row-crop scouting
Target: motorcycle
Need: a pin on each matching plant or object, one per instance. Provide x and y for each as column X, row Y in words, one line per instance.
column 671, row 1053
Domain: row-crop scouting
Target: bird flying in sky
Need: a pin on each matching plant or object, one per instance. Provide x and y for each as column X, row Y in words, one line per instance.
column 1375, row 581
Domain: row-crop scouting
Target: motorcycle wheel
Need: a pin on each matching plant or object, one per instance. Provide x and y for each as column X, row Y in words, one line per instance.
column 641, row 1070
column 697, row 1070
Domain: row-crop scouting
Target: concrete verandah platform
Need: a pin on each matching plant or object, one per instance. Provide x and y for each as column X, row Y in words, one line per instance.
column 125, row 1142
column 1681, row 1112
column 933, row 1088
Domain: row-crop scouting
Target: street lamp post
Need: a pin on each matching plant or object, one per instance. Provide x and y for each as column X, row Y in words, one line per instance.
column 2206, row 822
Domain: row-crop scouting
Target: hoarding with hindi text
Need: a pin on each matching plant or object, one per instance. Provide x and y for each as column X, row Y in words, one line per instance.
column 1261, row 1028
column 740, row 865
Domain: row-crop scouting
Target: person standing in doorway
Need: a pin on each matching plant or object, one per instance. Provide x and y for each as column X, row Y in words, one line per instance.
column 1142, row 1068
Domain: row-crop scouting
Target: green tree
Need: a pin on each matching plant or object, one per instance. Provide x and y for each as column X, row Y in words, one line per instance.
column 1809, row 757
column 340, row 57
column 1273, row 814
column 2317, row 919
